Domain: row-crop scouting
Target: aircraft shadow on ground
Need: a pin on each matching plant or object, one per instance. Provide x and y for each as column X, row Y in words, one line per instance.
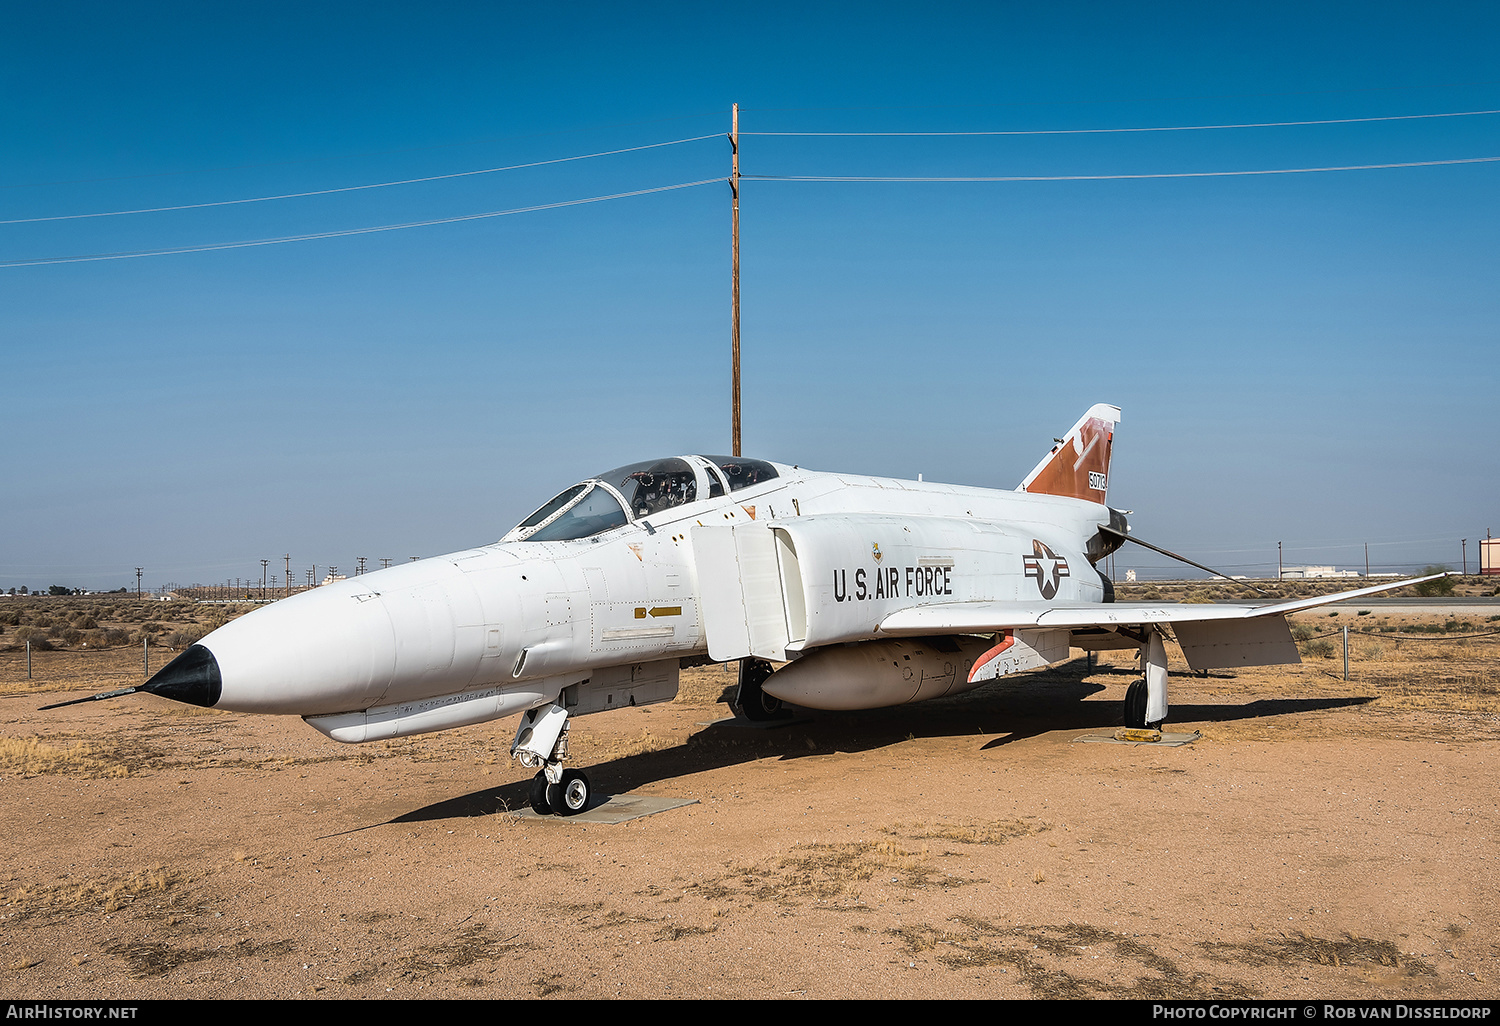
column 1050, row 701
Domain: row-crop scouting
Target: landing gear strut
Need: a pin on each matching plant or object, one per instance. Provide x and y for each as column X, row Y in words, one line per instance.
column 750, row 701
column 542, row 740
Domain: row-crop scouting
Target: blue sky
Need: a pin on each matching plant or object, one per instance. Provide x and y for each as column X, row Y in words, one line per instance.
column 1303, row 358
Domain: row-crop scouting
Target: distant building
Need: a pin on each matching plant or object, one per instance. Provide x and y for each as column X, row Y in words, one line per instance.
column 1292, row 573
column 333, row 577
column 1489, row 555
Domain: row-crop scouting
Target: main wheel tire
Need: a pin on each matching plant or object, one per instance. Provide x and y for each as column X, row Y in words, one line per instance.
column 1135, row 705
column 539, row 803
column 751, row 701
column 571, row 796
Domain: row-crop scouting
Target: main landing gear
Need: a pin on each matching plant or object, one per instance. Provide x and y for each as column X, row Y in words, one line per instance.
column 750, row 701
column 542, row 740
column 1146, row 699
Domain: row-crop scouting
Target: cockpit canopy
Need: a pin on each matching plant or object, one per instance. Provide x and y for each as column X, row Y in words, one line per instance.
column 630, row 493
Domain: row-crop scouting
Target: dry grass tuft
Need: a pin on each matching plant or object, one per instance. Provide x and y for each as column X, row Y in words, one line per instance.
column 705, row 685
column 30, row 757
column 971, row 831
column 1306, row 949
column 102, row 894
column 825, row 872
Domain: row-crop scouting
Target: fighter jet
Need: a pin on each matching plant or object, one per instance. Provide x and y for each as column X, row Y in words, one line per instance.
column 831, row 591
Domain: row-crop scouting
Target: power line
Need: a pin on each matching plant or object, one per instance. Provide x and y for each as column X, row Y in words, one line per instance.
column 350, row 231
column 1114, row 177
column 358, row 188
column 359, row 153
column 1119, row 131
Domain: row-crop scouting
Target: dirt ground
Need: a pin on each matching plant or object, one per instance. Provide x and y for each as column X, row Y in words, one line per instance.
column 1322, row 838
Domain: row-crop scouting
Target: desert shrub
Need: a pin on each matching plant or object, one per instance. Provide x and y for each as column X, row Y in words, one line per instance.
column 1301, row 631
column 71, row 635
column 115, row 636
column 1441, row 586
column 10, row 617
column 1322, row 648
column 184, row 638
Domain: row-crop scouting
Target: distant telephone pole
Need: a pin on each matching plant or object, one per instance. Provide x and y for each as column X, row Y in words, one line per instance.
column 734, row 333
column 263, row 564
column 288, row 558
column 138, row 584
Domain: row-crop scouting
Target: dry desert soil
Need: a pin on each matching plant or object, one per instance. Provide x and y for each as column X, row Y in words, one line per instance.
column 1322, row 838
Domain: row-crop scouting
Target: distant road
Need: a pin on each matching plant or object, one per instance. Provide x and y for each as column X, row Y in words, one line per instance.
column 1449, row 604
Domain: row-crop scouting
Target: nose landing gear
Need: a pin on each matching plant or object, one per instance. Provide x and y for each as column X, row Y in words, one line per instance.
column 542, row 740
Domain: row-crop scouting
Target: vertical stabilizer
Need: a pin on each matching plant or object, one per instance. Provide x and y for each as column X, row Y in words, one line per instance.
column 1078, row 467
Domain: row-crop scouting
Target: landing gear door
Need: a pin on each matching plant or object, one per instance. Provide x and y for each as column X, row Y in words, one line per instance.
column 740, row 579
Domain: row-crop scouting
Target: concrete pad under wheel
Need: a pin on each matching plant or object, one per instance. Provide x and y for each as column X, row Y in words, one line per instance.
column 617, row 808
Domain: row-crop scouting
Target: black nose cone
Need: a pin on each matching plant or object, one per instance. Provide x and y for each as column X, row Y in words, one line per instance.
column 192, row 677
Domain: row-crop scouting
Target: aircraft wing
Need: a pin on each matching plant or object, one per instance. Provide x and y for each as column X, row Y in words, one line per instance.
column 984, row 617
column 1210, row 635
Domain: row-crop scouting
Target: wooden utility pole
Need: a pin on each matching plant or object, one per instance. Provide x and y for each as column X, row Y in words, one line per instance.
column 734, row 192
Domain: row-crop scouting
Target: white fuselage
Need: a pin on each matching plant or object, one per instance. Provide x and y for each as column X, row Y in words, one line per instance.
column 504, row 627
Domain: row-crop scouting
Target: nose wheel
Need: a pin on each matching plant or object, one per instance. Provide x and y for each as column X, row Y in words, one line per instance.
column 567, row 797
column 571, row 796
column 539, row 803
